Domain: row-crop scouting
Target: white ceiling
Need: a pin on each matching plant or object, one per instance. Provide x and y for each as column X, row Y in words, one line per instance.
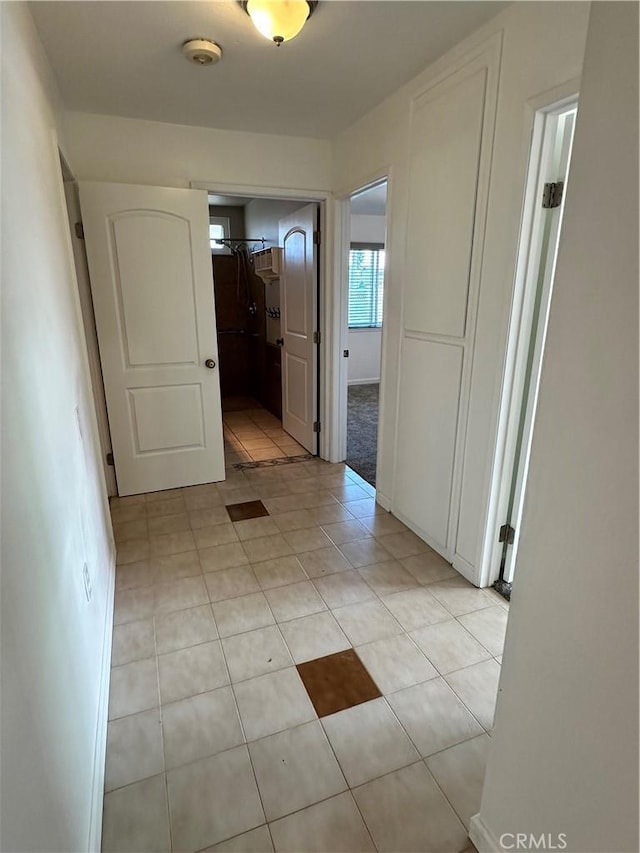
column 124, row 58
column 370, row 202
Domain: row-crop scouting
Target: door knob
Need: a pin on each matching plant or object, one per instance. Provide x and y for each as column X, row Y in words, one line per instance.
column 210, row 363
column 280, row 342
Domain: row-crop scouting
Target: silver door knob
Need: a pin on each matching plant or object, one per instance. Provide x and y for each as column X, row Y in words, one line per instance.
column 210, row 363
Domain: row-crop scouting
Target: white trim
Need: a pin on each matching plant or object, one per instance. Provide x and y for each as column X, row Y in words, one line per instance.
column 100, row 751
column 536, row 112
column 364, row 381
column 482, row 837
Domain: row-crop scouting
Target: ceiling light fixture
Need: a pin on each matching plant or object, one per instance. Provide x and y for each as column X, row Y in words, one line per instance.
column 279, row 20
column 202, row 51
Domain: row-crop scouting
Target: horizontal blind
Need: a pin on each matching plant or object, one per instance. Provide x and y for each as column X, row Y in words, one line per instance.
column 366, row 286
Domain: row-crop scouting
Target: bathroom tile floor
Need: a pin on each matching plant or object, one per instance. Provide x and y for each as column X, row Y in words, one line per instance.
column 252, row 434
column 310, row 679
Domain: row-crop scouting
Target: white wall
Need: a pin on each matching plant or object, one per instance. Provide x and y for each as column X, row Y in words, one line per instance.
column 109, row 148
column 564, row 755
column 365, row 345
column 542, row 47
column 54, row 510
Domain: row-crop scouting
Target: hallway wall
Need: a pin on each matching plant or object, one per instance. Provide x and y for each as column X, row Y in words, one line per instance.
column 564, row 755
column 54, row 509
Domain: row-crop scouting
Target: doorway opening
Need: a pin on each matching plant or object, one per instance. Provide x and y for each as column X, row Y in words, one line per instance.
column 267, row 321
column 539, row 241
column 368, row 208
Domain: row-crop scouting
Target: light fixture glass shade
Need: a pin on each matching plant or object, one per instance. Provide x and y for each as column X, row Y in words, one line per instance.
column 278, row 20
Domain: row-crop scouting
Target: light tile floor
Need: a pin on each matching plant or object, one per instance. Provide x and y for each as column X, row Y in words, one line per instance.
column 213, row 740
column 252, row 434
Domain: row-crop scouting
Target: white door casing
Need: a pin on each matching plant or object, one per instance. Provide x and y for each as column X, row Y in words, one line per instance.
column 151, row 277
column 298, row 301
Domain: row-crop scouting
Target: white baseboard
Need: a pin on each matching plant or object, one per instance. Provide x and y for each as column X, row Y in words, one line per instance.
column 482, row 838
column 383, row 500
column 100, row 751
column 363, row 381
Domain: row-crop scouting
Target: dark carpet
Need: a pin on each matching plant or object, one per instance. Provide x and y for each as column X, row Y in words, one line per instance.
column 362, row 430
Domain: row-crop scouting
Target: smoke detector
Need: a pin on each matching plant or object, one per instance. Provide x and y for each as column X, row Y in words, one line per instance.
column 202, row 51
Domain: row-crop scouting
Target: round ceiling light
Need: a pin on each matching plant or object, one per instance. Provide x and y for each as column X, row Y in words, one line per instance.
column 279, row 20
column 202, row 51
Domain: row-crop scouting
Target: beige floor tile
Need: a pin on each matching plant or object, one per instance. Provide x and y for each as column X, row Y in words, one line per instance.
column 343, row 588
column 416, row 608
column 477, row 686
column 314, row 637
column 296, row 519
column 132, row 551
column 382, row 524
column 395, row 662
column 294, row 601
column 163, row 495
column 256, row 653
column 124, row 512
column 263, row 441
column 330, row 514
column 309, row 539
column 387, row 578
column 460, row 771
column 180, row 594
column 448, row 646
column 208, row 516
column 325, row 561
column 349, row 491
column 294, row 769
column 366, row 622
column 134, row 688
column 279, row 572
column 238, row 496
column 131, row 605
column 488, row 626
column 275, row 489
column 171, row 543
column 215, row 534
column 255, row 528
column 200, row 726
column 134, row 749
column 428, row 567
column 266, row 548
column 365, row 552
column 127, row 530
column 135, row 575
column 272, row 703
column 406, row 812
column 184, row 628
column 132, row 641
column 230, row 583
column 255, row 841
column 401, row 545
column 220, row 557
column 198, row 502
column 333, row 825
column 363, row 508
column 244, row 613
column 345, row 531
column 136, row 818
column 193, row 670
column 459, row 596
column 213, row 799
column 173, row 506
column 433, row 716
column 176, row 566
column 368, row 741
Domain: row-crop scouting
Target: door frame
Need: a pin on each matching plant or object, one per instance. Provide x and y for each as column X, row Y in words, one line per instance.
column 538, row 112
column 327, row 410
column 343, row 244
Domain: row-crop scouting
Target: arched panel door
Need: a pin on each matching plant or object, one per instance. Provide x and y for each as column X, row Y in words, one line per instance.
column 150, row 266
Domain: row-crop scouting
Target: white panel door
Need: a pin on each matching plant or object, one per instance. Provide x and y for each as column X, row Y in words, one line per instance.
column 298, row 299
column 151, row 278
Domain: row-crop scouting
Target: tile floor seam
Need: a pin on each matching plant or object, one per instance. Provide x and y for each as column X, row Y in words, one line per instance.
column 462, row 824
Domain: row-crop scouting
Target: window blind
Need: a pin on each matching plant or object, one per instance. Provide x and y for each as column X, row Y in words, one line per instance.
column 366, row 286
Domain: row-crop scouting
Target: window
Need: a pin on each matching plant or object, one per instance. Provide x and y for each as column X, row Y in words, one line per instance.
column 366, row 285
column 218, row 230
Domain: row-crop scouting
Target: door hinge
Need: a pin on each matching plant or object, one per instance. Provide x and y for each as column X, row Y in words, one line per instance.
column 317, row 426
column 79, row 229
column 345, row 353
column 507, row 534
column 552, row 194
column 317, row 238
column 110, row 459
column 317, row 337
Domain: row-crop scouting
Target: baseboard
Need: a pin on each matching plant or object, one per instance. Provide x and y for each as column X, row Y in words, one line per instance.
column 384, row 501
column 363, row 381
column 465, row 568
column 482, row 838
column 100, row 751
